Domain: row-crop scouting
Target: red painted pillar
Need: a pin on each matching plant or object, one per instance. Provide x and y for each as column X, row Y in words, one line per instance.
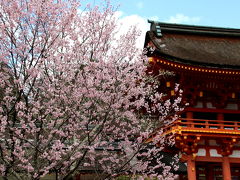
column 190, row 116
column 191, row 169
column 220, row 116
column 226, row 168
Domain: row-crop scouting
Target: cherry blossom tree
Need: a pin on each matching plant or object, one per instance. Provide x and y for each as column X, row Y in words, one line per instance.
column 75, row 94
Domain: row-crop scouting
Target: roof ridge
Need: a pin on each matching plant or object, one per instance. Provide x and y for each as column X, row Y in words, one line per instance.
column 157, row 27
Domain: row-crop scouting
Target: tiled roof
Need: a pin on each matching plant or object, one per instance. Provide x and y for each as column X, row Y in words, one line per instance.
column 198, row 45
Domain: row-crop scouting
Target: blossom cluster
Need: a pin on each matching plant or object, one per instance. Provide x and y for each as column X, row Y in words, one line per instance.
column 73, row 94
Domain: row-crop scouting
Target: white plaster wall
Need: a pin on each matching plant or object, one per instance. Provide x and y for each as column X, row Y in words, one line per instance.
column 235, row 154
column 214, row 153
column 201, row 152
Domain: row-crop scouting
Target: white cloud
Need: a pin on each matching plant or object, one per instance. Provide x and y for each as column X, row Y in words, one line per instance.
column 139, row 5
column 126, row 22
column 181, row 18
column 141, row 22
column 134, row 20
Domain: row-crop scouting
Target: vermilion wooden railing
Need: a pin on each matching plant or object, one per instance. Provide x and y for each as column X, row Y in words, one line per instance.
column 186, row 123
column 209, row 124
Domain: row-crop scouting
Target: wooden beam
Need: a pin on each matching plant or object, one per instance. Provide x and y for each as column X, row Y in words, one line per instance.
column 224, row 111
column 185, row 158
column 208, row 159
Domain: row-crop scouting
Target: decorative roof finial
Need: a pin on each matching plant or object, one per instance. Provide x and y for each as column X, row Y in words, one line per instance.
column 155, row 27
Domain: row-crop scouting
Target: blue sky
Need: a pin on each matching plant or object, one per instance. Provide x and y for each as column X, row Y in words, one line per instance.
column 223, row 13
column 219, row 13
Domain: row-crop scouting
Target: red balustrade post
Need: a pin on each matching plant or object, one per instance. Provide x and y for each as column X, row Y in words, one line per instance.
column 220, row 116
column 207, row 124
column 190, row 117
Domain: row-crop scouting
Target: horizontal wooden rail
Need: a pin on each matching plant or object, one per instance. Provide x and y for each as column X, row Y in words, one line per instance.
column 209, row 124
column 210, row 110
column 205, row 124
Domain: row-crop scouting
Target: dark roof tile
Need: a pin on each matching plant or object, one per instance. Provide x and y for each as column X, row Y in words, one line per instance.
column 205, row 46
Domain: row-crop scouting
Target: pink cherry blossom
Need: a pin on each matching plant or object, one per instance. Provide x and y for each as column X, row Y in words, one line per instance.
column 73, row 93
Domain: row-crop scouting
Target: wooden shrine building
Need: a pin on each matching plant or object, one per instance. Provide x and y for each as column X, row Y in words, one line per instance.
column 206, row 63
